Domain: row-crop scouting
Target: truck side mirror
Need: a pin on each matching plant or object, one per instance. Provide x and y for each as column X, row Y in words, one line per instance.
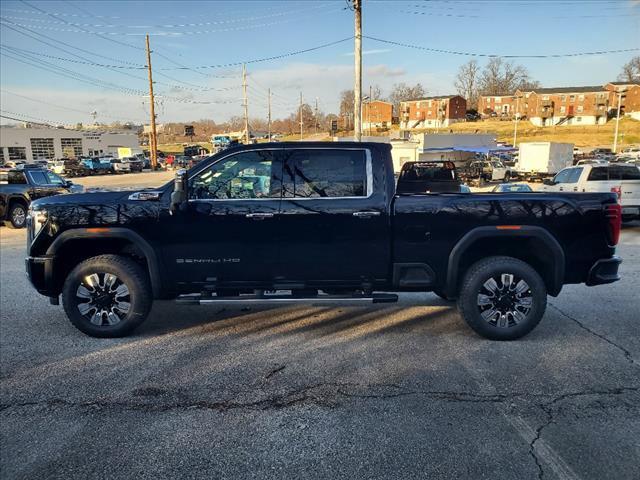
column 548, row 181
column 179, row 194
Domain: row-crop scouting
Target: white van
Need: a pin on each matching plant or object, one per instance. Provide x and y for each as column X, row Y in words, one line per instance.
column 621, row 178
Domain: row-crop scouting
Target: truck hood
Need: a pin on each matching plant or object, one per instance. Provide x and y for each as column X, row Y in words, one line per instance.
column 94, row 198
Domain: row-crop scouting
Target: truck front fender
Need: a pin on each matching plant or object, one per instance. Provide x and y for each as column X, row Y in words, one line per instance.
column 155, row 272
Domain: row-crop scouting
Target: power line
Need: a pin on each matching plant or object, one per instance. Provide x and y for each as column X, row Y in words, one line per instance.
column 5, row 22
column 104, row 34
column 267, row 59
column 60, row 106
column 173, row 25
column 81, row 62
column 474, row 54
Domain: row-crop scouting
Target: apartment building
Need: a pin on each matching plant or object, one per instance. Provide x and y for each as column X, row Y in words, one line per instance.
column 498, row 104
column 543, row 107
column 377, row 114
column 629, row 95
column 432, row 112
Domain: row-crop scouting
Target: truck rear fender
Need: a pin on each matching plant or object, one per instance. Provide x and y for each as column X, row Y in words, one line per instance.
column 81, row 240
column 534, row 245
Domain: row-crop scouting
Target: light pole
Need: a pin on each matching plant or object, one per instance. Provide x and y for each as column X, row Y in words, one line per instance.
column 615, row 135
column 515, row 127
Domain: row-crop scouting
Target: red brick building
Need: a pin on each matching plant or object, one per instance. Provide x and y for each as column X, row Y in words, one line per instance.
column 565, row 105
column 377, row 114
column 501, row 105
column 630, row 98
column 432, row 112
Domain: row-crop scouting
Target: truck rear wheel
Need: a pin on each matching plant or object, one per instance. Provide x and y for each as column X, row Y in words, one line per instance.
column 107, row 296
column 502, row 298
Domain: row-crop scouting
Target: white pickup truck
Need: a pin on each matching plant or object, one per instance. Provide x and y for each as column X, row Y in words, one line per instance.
column 621, row 178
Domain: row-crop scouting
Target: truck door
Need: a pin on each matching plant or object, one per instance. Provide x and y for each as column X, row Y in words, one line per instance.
column 228, row 233
column 334, row 219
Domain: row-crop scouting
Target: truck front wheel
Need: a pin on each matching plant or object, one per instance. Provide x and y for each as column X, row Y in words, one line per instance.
column 18, row 215
column 502, row 298
column 107, row 296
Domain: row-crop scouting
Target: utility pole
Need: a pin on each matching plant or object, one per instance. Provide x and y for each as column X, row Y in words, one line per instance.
column 357, row 88
column 301, row 116
column 369, row 108
column 315, row 118
column 269, row 114
column 153, row 143
column 245, row 103
column 515, row 127
column 615, row 135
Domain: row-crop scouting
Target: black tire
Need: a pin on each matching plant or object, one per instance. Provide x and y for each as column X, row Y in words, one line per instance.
column 18, row 215
column 507, row 177
column 510, row 318
column 107, row 297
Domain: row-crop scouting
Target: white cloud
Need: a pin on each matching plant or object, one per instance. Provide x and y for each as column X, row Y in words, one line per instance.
column 384, row 71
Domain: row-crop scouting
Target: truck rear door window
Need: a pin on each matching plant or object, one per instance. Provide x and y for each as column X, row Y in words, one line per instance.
column 325, row 173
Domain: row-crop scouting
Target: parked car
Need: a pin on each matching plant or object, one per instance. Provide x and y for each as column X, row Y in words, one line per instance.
column 601, row 151
column 633, row 152
column 134, row 164
column 577, row 152
column 97, row 165
column 621, row 178
column 18, row 188
column 119, row 166
column 316, row 222
column 512, row 188
column 492, row 170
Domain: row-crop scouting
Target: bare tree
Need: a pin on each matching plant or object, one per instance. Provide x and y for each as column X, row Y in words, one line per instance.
column 500, row 77
column 402, row 92
column 630, row 71
column 467, row 83
column 346, row 102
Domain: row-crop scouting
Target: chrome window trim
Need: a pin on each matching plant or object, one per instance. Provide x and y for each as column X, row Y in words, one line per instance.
column 368, row 167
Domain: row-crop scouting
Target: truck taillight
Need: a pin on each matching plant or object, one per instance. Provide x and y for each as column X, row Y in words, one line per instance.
column 618, row 192
column 614, row 215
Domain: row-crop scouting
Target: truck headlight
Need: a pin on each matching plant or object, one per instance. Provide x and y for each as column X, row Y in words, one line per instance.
column 38, row 219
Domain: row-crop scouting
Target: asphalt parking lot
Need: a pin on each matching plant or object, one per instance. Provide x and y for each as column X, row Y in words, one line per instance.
column 393, row 391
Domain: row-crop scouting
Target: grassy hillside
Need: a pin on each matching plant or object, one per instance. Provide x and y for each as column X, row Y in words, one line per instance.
column 581, row 136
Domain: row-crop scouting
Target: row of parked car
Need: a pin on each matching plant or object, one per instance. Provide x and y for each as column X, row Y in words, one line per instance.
column 85, row 166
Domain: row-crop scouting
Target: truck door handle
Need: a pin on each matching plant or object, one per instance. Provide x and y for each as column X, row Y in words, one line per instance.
column 366, row 214
column 259, row 216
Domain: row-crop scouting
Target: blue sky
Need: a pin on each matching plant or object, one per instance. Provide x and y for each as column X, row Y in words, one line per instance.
column 202, row 33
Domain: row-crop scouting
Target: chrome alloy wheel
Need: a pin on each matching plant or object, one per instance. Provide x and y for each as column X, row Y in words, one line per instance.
column 19, row 215
column 505, row 301
column 103, row 298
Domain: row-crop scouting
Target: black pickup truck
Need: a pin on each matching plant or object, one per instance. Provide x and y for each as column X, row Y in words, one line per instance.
column 317, row 223
column 19, row 187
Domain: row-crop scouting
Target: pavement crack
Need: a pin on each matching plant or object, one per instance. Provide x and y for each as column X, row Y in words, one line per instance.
column 274, row 371
column 625, row 352
column 319, row 394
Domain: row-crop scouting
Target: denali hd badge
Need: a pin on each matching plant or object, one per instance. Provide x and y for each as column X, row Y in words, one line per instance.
column 207, row 260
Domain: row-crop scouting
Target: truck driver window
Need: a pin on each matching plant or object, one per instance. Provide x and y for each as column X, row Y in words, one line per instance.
column 242, row 176
column 325, row 173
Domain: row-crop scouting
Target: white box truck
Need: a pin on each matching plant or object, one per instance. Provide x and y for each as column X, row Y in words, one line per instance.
column 543, row 159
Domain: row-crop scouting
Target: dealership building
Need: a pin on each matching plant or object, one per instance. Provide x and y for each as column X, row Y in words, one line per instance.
column 29, row 144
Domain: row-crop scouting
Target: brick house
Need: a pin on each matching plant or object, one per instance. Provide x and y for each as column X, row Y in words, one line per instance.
column 630, row 98
column 377, row 114
column 432, row 112
column 498, row 104
column 565, row 105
